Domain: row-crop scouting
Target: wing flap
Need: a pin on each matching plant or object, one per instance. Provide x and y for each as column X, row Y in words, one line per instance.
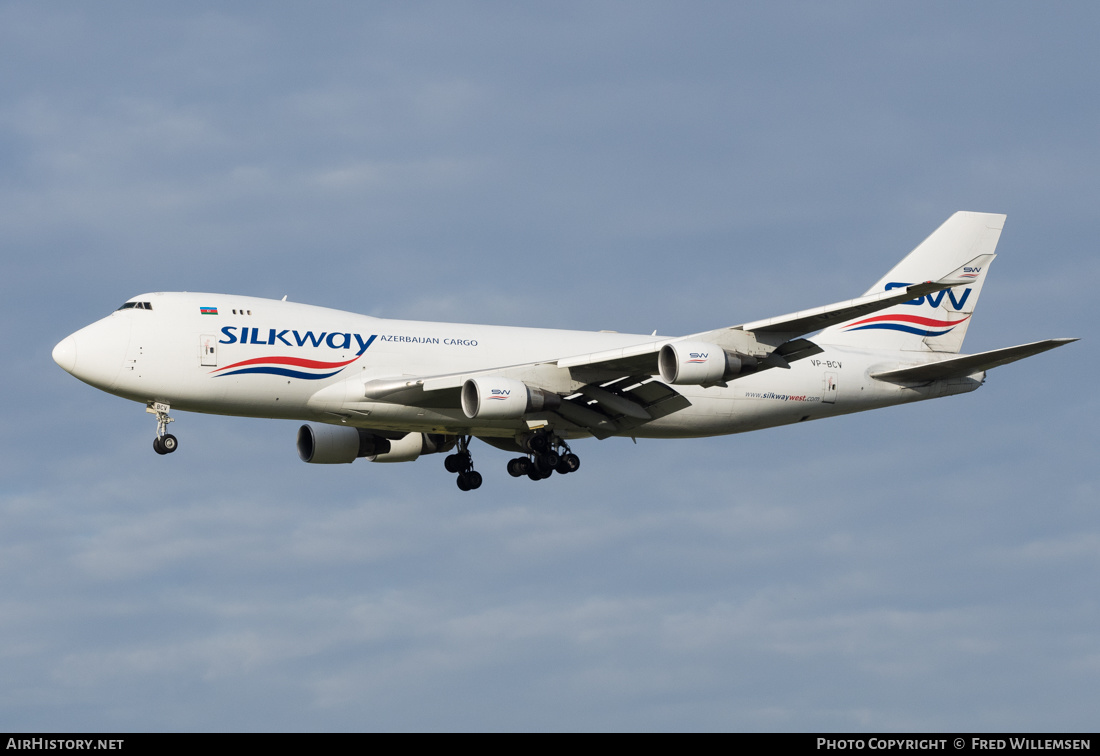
column 615, row 407
column 959, row 367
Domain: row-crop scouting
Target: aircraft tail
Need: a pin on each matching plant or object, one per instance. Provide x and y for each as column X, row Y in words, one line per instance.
column 935, row 322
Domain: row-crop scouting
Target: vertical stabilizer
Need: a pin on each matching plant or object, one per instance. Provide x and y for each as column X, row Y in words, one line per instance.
column 935, row 322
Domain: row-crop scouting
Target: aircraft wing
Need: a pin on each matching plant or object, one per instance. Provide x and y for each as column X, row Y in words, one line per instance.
column 604, row 406
column 959, row 367
column 778, row 330
column 781, row 333
column 641, row 358
column 617, row 406
column 611, row 391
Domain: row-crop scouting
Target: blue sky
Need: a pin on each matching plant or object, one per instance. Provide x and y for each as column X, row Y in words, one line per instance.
column 631, row 166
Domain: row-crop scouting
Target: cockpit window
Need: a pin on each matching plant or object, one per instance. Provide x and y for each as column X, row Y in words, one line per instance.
column 136, row 306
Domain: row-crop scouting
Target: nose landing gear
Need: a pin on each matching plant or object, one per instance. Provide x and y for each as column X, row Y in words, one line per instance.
column 462, row 463
column 164, row 443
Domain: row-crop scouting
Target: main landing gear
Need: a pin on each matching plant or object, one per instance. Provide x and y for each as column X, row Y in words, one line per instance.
column 547, row 454
column 462, row 463
column 164, row 443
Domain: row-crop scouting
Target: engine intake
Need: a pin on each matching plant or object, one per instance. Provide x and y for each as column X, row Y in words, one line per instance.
column 697, row 363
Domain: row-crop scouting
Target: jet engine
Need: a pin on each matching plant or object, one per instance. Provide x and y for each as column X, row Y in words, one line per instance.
column 699, row 364
column 491, row 398
column 340, row 444
column 411, row 446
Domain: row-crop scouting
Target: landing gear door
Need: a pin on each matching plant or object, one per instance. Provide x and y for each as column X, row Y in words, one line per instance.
column 829, row 389
column 208, row 346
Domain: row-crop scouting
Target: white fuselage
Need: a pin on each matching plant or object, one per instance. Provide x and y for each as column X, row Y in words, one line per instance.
column 276, row 359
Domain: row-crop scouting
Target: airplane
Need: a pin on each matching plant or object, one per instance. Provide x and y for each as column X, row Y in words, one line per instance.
column 394, row 390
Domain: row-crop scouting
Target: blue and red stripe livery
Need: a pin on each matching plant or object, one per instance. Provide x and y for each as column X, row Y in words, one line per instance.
column 915, row 324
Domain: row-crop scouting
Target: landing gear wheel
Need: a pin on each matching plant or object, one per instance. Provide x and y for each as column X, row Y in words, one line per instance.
column 157, row 447
column 169, row 443
column 519, row 467
column 469, row 481
column 547, row 453
column 462, row 463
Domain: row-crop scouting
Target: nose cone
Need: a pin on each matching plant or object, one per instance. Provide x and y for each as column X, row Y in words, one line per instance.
column 95, row 353
column 64, row 354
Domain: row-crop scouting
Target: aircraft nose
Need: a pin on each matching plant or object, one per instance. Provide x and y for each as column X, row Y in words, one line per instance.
column 95, row 353
column 64, row 354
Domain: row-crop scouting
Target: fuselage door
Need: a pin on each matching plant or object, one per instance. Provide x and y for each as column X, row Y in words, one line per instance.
column 208, row 345
column 829, row 389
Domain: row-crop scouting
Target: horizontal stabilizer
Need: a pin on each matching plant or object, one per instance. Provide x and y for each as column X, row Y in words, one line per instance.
column 958, row 367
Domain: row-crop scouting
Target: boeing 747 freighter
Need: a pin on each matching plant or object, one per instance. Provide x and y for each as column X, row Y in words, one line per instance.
column 395, row 390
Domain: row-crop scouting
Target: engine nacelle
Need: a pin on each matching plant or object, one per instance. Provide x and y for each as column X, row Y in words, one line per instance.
column 492, row 398
column 697, row 363
column 340, row 444
column 411, row 446
column 333, row 444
